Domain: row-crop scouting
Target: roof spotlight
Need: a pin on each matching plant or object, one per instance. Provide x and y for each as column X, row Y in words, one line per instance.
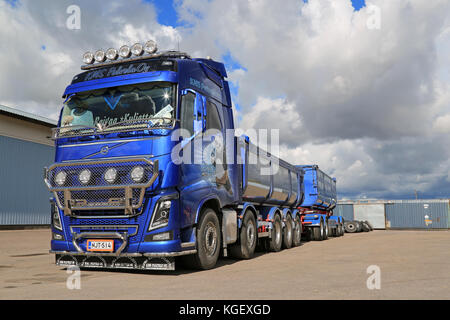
column 125, row 52
column 88, row 58
column 100, row 56
column 137, row 49
column 112, row 54
column 150, row 47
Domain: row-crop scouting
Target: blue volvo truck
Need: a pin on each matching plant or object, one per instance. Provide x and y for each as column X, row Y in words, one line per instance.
column 120, row 200
column 317, row 208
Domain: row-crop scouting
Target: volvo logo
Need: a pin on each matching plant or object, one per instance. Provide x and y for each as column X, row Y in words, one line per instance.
column 104, row 151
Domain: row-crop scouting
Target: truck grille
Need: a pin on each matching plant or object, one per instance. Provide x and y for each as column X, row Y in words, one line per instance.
column 96, row 193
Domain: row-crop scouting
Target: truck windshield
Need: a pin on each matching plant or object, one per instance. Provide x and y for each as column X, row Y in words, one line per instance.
column 119, row 108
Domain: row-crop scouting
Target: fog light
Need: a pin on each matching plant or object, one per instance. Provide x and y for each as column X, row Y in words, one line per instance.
column 137, row 49
column 111, row 175
column 88, row 58
column 85, row 176
column 125, row 52
column 112, row 54
column 100, row 56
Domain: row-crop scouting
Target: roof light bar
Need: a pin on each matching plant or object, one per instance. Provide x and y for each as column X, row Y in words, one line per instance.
column 125, row 53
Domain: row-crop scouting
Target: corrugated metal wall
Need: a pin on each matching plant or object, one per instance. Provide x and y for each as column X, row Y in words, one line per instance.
column 344, row 210
column 24, row 198
column 417, row 214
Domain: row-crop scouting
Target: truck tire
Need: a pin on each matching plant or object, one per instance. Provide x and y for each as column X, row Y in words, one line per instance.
column 341, row 230
column 365, row 227
column 318, row 232
column 248, row 238
column 326, row 230
column 370, row 225
column 297, row 232
column 276, row 241
column 358, row 226
column 209, row 240
column 288, row 233
column 350, row 227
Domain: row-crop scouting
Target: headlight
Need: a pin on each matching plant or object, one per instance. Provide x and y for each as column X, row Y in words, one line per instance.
column 160, row 216
column 137, row 174
column 125, row 52
column 56, row 220
column 137, row 49
column 85, row 176
column 112, row 54
column 150, row 47
column 100, row 56
column 88, row 58
column 111, row 175
column 60, row 178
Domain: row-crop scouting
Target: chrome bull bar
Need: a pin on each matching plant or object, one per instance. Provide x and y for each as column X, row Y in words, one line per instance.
column 126, row 195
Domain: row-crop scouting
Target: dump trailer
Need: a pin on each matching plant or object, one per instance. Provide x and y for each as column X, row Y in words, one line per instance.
column 148, row 170
column 318, row 220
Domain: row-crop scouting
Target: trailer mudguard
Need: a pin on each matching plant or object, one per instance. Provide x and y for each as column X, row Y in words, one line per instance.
column 313, row 219
column 241, row 213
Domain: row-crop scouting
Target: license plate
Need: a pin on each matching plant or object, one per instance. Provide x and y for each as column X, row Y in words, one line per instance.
column 100, row 245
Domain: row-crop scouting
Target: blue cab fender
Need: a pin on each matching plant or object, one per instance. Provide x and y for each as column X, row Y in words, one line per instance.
column 215, row 202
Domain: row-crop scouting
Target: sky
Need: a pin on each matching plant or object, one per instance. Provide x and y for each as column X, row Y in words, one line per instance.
column 360, row 88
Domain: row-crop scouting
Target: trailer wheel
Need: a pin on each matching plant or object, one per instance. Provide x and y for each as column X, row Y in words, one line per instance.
column 245, row 248
column 318, row 232
column 350, row 227
column 209, row 240
column 288, row 234
column 326, row 230
column 276, row 241
column 297, row 234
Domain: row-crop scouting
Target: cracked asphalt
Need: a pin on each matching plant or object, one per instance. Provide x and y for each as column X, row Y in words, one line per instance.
column 412, row 265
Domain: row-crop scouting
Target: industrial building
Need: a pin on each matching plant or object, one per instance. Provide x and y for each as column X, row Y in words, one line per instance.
column 25, row 149
column 398, row 214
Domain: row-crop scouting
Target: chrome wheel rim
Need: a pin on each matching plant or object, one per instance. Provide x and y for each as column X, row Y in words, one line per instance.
column 210, row 239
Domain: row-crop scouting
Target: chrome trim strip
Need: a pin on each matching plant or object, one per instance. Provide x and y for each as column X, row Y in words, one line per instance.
column 105, row 142
column 106, row 226
column 150, row 255
column 187, row 244
column 169, row 254
column 140, row 156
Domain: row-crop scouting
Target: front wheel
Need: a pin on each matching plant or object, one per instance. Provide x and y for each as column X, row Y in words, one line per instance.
column 209, row 239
